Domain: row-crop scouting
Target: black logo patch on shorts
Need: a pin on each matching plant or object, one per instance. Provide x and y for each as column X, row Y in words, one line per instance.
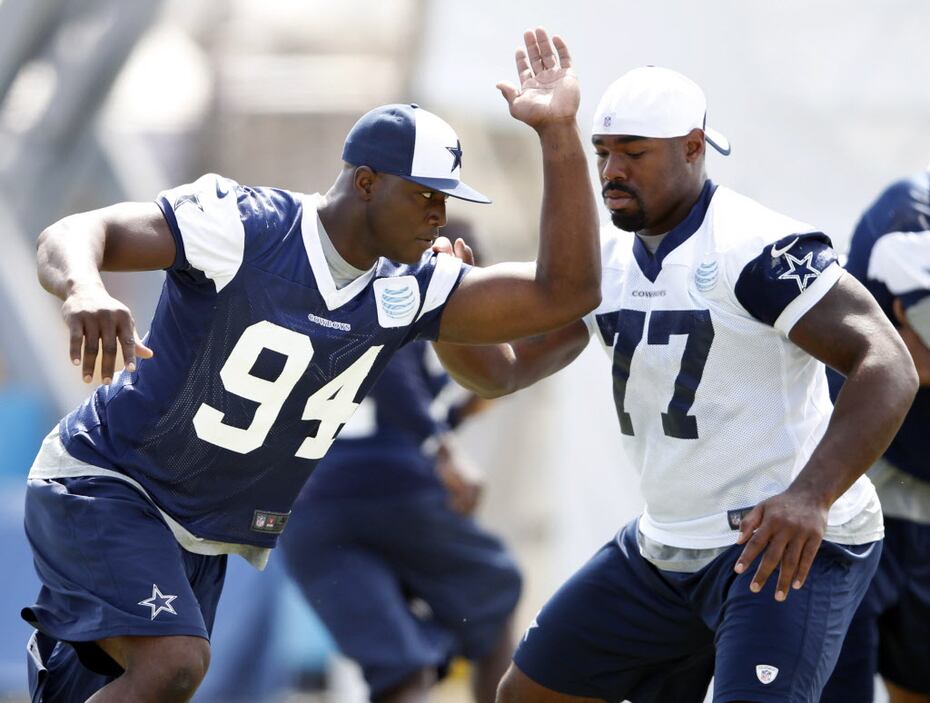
column 269, row 522
column 735, row 517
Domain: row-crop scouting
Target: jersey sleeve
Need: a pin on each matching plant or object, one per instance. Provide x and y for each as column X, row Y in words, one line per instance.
column 217, row 224
column 787, row 278
column 440, row 274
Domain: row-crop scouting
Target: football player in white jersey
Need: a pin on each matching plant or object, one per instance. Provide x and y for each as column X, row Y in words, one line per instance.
column 718, row 315
column 278, row 311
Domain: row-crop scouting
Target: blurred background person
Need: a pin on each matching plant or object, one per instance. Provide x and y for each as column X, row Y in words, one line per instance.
column 383, row 545
column 890, row 254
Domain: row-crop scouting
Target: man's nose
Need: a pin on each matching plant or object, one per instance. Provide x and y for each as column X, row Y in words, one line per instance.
column 615, row 168
column 437, row 214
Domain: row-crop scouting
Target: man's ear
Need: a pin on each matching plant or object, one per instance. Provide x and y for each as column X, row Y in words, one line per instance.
column 695, row 145
column 899, row 313
column 364, row 181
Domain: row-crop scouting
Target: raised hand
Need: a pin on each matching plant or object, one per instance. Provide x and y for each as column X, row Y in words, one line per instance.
column 98, row 322
column 549, row 90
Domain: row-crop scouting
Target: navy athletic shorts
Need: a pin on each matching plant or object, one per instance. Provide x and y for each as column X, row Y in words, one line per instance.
column 620, row 628
column 402, row 583
column 890, row 633
column 109, row 567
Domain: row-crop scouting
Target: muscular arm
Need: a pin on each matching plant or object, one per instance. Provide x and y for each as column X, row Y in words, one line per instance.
column 493, row 371
column 510, row 301
column 72, row 252
column 847, row 331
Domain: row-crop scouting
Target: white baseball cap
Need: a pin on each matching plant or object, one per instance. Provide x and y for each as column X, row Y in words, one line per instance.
column 655, row 102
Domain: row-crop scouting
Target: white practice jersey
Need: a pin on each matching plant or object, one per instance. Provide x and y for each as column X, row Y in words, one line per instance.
column 719, row 410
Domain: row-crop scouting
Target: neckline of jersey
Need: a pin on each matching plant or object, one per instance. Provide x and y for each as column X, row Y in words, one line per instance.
column 651, row 264
column 333, row 297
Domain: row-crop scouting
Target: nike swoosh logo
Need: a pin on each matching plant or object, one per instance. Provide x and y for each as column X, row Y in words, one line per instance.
column 778, row 252
column 220, row 193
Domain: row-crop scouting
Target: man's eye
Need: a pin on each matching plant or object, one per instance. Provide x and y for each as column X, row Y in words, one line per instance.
column 601, row 154
column 433, row 195
column 635, row 154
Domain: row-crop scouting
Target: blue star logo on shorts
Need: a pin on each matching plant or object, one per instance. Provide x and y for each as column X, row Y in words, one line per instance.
column 159, row 602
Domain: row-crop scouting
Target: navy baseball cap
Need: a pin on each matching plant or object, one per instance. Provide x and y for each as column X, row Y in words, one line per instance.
column 413, row 143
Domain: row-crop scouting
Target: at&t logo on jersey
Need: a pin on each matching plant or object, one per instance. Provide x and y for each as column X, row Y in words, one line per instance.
column 705, row 276
column 397, row 299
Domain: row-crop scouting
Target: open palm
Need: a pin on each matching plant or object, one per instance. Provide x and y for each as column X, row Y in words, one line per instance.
column 548, row 89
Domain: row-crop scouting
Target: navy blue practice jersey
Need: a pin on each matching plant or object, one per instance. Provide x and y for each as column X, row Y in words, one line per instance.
column 381, row 450
column 259, row 360
column 890, row 254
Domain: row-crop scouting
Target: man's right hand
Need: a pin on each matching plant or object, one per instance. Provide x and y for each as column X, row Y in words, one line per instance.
column 549, row 91
column 98, row 322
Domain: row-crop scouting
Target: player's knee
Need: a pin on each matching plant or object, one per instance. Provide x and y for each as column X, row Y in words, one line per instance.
column 180, row 679
column 176, row 671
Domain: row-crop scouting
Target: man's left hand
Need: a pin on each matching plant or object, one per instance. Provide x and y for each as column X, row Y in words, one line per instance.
column 787, row 530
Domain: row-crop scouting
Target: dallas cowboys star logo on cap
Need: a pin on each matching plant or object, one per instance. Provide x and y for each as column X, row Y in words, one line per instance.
column 456, row 151
column 159, row 602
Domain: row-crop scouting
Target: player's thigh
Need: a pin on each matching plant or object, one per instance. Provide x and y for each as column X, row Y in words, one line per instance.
column 904, row 645
column 463, row 572
column 784, row 651
column 615, row 630
column 853, row 677
column 110, row 567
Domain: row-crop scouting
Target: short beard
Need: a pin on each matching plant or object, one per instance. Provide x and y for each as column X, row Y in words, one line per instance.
column 629, row 223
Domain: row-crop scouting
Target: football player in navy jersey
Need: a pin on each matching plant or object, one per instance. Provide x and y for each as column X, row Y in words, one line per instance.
column 383, row 545
column 278, row 312
column 890, row 254
column 718, row 315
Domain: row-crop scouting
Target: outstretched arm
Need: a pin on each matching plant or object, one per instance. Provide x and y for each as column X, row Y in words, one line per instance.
column 500, row 369
column 72, row 252
column 848, row 332
column 510, row 301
